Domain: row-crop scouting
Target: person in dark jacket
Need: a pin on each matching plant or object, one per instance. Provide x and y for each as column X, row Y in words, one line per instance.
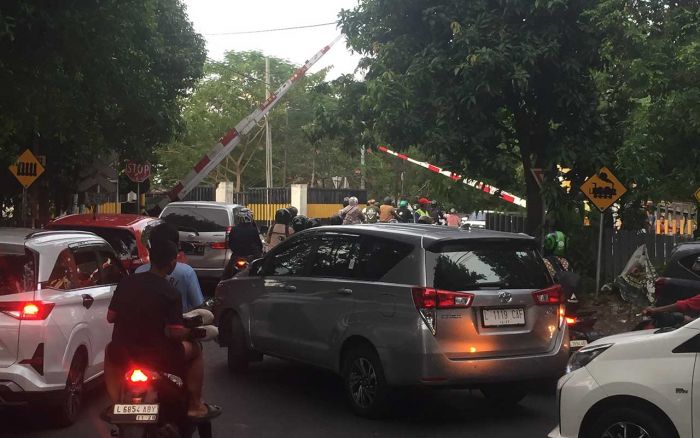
column 243, row 241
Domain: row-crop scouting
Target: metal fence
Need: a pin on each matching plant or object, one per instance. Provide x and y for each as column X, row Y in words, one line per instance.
column 275, row 195
column 334, row 196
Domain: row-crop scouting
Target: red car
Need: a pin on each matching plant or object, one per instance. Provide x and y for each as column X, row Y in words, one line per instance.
column 127, row 233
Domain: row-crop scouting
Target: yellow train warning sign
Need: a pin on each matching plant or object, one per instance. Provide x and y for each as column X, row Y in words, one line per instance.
column 697, row 195
column 27, row 168
column 603, row 189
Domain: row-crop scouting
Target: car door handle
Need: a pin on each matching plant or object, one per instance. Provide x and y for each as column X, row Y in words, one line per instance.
column 290, row 288
column 87, row 301
column 345, row 291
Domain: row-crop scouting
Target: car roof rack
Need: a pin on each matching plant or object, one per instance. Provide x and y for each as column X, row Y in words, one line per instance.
column 57, row 232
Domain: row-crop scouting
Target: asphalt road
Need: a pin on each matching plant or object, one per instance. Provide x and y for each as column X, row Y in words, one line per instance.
column 281, row 399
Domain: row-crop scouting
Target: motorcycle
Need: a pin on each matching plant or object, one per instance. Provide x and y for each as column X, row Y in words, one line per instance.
column 236, row 265
column 580, row 322
column 153, row 403
column 663, row 321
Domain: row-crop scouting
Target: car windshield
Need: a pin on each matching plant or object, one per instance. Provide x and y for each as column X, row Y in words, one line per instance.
column 500, row 265
column 197, row 219
column 17, row 272
column 123, row 241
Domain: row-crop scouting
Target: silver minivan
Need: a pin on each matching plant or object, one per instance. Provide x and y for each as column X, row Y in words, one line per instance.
column 204, row 228
column 390, row 305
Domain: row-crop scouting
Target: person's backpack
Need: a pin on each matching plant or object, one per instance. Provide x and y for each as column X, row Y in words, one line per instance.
column 371, row 215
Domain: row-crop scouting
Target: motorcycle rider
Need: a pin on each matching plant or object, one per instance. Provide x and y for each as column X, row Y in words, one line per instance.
column 404, row 213
column 387, row 212
column 281, row 230
column 148, row 329
column 243, row 240
column 183, row 278
column 351, row 214
column 371, row 212
column 422, row 209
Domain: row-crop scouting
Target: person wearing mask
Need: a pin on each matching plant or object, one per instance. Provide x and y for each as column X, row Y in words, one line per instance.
column 404, row 213
column 422, row 209
column 281, row 230
column 183, row 278
column 153, row 332
column 387, row 211
column 351, row 214
column 452, row 219
column 371, row 212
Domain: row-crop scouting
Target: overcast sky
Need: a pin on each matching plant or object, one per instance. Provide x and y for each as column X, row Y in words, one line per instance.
column 221, row 16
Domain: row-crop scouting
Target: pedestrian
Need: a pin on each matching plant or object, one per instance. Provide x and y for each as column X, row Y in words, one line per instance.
column 371, row 212
column 405, row 215
column 387, row 212
column 351, row 214
column 453, row 219
column 422, row 209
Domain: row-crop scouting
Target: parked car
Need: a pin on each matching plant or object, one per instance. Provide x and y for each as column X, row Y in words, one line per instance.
column 400, row 305
column 204, row 228
column 127, row 233
column 55, row 287
column 681, row 279
column 637, row 384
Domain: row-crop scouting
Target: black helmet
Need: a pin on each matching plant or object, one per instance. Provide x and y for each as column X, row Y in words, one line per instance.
column 282, row 216
column 336, row 220
column 293, row 210
column 388, row 200
column 313, row 223
column 299, row 223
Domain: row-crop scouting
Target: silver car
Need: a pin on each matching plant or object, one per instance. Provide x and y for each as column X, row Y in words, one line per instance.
column 391, row 305
column 204, row 228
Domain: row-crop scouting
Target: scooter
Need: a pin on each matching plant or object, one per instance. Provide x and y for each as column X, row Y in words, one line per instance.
column 153, row 403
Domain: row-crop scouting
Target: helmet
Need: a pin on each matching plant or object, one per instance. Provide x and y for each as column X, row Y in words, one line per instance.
column 299, row 223
column 244, row 216
column 313, row 223
column 283, row 216
column 555, row 243
column 292, row 210
column 388, row 200
column 336, row 220
column 403, row 203
column 423, row 201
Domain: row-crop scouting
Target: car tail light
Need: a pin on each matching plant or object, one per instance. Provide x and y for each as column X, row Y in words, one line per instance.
column 427, row 300
column 37, row 360
column 551, row 295
column 27, row 310
column 218, row 245
column 228, row 229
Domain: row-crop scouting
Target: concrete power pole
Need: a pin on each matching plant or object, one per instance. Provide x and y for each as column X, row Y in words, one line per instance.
column 268, row 134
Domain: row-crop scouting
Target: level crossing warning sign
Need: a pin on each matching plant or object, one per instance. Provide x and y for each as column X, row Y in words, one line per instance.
column 603, row 189
column 27, row 168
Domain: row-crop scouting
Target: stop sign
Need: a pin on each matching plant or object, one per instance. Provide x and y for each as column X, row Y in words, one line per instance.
column 138, row 172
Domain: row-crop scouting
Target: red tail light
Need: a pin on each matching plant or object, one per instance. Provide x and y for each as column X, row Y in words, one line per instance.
column 427, row 298
column 551, row 295
column 27, row 310
column 228, row 229
column 218, row 245
column 241, row 264
column 137, row 376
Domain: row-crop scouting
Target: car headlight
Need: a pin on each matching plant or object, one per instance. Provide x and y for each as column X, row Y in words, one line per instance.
column 584, row 356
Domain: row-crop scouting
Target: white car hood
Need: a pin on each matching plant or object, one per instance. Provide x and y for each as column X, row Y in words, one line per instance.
column 630, row 337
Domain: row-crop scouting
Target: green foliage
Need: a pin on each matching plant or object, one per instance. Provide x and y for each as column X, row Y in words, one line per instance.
column 92, row 78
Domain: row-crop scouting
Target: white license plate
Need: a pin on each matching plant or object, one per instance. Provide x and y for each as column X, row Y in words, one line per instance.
column 578, row 343
column 503, row 317
column 136, row 410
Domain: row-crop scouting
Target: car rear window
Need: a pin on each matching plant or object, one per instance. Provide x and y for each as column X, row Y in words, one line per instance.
column 123, row 241
column 17, row 272
column 197, row 219
column 500, row 264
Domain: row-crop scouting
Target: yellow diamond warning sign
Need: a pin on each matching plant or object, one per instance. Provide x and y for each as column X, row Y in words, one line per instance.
column 603, row 189
column 27, row 168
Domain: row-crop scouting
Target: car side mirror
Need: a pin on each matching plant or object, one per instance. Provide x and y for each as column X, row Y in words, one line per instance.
column 256, row 267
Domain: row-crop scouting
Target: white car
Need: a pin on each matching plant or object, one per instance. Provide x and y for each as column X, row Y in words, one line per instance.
column 643, row 384
column 55, row 287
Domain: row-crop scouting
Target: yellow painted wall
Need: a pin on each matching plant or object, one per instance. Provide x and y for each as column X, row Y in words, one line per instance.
column 322, row 211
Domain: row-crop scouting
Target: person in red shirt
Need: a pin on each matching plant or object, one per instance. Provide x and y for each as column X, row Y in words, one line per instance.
column 688, row 307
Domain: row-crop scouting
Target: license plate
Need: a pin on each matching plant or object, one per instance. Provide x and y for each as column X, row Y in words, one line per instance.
column 578, row 343
column 146, row 413
column 503, row 317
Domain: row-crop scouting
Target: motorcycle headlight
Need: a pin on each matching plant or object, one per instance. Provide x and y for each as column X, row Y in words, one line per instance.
column 584, row 356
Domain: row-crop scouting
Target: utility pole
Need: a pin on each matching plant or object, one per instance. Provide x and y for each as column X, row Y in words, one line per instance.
column 362, row 167
column 268, row 134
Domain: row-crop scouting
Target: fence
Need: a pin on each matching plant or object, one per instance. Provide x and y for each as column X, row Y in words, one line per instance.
column 324, row 203
column 618, row 245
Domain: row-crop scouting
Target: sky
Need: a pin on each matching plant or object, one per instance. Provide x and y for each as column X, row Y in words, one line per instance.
column 220, row 16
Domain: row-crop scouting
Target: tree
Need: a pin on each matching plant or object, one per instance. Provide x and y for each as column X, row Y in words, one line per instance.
column 91, row 79
column 485, row 85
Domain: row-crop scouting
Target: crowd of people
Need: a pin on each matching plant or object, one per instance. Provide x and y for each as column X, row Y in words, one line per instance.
column 424, row 211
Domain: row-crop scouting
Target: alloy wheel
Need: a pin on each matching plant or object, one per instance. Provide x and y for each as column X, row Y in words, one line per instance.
column 74, row 389
column 625, row 429
column 363, row 382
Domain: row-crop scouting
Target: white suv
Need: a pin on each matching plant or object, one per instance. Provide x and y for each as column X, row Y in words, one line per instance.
column 643, row 384
column 55, row 287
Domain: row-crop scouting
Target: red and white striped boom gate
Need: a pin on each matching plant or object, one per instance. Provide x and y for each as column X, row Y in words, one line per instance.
column 491, row 190
column 231, row 139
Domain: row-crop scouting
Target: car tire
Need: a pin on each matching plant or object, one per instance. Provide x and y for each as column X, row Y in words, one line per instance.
column 612, row 420
column 71, row 400
column 364, row 383
column 504, row 394
column 238, row 353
